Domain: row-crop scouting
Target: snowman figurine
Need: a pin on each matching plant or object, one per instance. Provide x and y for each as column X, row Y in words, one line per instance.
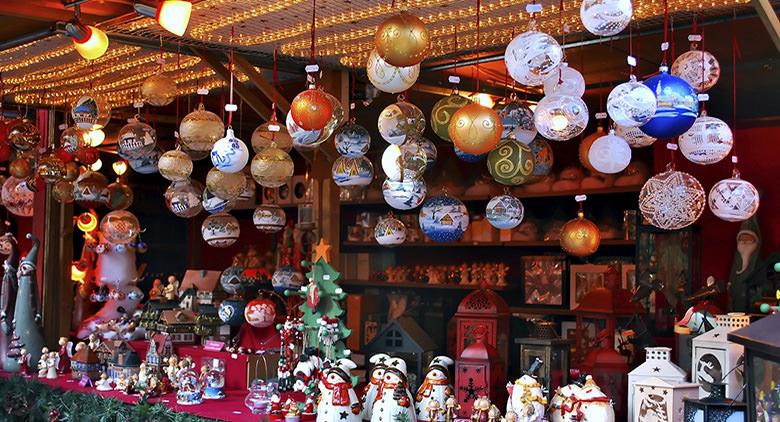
column 590, row 404
column 563, row 400
column 394, row 400
column 436, row 386
column 338, row 401
column 379, row 361
column 526, row 398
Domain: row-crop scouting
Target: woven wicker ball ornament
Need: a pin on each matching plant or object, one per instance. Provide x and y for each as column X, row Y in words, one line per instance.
column 159, row 90
column 442, row 112
column 672, row 200
column 200, row 129
column 511, row 163
column 402, row 40
column 475, row 129
column 580, row 236
column 699, row 68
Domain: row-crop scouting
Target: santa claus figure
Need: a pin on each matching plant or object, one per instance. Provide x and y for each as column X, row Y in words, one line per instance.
column 379, row 362
column 394, row 400
column 338, row 401
column 436, row 386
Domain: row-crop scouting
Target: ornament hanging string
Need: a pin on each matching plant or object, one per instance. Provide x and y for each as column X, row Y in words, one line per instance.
column 631, row 48
column 666, row 31
column 275, row 76
column 160, row 59
column 735, row 52
column 703, row 103
column 230, row 69
column 671, row 37
column 313, row 29
column 479, row 7
column 638, row 50
column 352, row 86
column 178, row 72
column 563, row 42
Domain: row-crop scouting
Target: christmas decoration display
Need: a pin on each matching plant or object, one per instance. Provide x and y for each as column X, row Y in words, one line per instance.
column 220, row 230
column 401, row 121
column 136, row 139
column 526, row 398
column 188, row 392
column 90, row 112
column 533, row 56
column 697, row 67
column 402, row 40
column 394, row 401
column 213, row 204
column 469, row 158
column 287, row 278
column 580, row 236
column 17, row 197
column 27, row 307
column 504, row 212
column 708, row 141
column 73, row 138
column 229, row 154
column 609, row 154
column 89, row 189
column 431, row 153
column 269, row 218
column 672, row 200
column 51, row 168
column 350, row 172
column 184, row 198
column 200, row 129
column 634, row 136
column 716, row 360
column 590, row 404
column 352, row 140
column 388, row 78
column 144, row 165
column 175, row 165
column 405, row 195
column 631, row 104
column 214, row 380
column 567, row 81
column 733, row 199
column 390, row 231
column 517, row 121
column 120, row 227
column 263, row 136
column 159, row 90
column 272, row 167
column 546, row 346
column 375, row 381
column 677, row 106
column 24, row 135
column 311, row 109
column 443, row 218
column 337, row 397
column 606, row 18
column 227, row 186
column 475, row 129
column 442, row 112
column 657, row 366
column 560, row 117
column 435, row 387
column 479, row 373
column 511, row 163
column 407, row 162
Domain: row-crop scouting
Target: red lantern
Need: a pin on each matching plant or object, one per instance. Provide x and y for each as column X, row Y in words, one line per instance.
column 479, row 371
column 88, row 155
column 311, row 109
column 485, row 310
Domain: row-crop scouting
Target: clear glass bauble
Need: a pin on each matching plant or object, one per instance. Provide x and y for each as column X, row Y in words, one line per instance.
column 263, row 136
column 175, row 165
column 89, row 190
column 184, row 198
column 269, row 218
column 352, row 140
column 229, row 154
column 606, row 17
column 272, row 168
column 431, row 153
column 532, row 57
column 469, row 158
column 672, row 200
column 135, row 140
column 677, row 106
column 159, row 90
column 517, row 121
column 120, row 227
column 444, row 218
column 401, row 121
column 390, row 231
column 631, row 104
column 214, row 381
column 51, row 168
column 73, row 138
column 200, row 129
column 566, row 81
column 697, row 67
column 609, row 154
column 561, row 117
column 388, row 78
column 350, row 172
column 17, row 197
column 634, row 136
column 287, row 278
column 504, row 212
column 442, row 112
column 733, row 199
column 708, row 141
column 405, row 162
column 405, row 195
column 213, row 204
column 233, row 280
column 90, row 112
column 220, row 230
column 227, row 186
column 119, row 196
column 147, row 164
column 62, row 191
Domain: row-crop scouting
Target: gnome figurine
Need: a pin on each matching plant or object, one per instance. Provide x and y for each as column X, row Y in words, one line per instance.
column 27, row 315
column 436, row 386
column 394, row 401
column 338, row 401
column 526, row 398
column 379, row 362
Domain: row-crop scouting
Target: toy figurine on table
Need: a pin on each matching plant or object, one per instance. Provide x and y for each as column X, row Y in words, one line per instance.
column 395, row 401
column 338, row 401
column 156, row 292
column 43, row 363
column 120, row 383
column 379, row 362
column 433, row 410
column 64, row 354
column 292, row 413
column 171, row 290
column 480, row 409
column 189, row 388
column 435, row 387
column 24, row 362
column 214, row 380
column 51, row 365
column 452, row 407
column 103, row 384
column 494, row 414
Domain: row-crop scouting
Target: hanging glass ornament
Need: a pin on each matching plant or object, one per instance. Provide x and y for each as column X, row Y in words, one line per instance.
column 352, row 172
column 159, row 90
column 585, row 145
column 71, row 171
column 388, row 78
column 311, row 110
column 175, row 165
column 200, row 129
column 634, row 136
column 263, row 136
column 475, row 129
column 287, row 278
column 543, row 158
column 511, row 163
column 504, row 212
column 402, row 40
column 444, row 218
column 442, row 112
column 184, row 198
column 249, row 193
column 566, row 81
column 51, row 168
column 214, row 204
column 89, row 189
column 120, row 227
column 24, row 135
column 406, row 162
column 401, row 121
column 517, row 121
column 88, row 155
column 269, row 218
column 17, row 197
column 390, row 231
column 147, row 164
column 229, row 154
column 606, row 17
column 631, row 104
column 677, row 106
column 609, row 154
column 708, row 141
column 136, row 139
column 234, row 281
column 469, row 158
column 62, row 191
column 532, row 57
column 561, row 117
column 90, row 112
column 231, row 311
column 697, row 67
column 733, row 199
column 672, row 200
column 227, row 186
column 580, row 237
column 73, row 138
column 119, row 196
column 272, row 167
column 404, row 195
column 220, row 230
column 431, row 153
column 21, row 168
column 352, row 140
column 301, row 137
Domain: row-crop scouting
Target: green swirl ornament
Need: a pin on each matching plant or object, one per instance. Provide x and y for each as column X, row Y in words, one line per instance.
column 442, row 112
column 511, row 163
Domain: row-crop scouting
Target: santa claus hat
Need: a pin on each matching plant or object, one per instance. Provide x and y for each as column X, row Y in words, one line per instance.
column 441, row 363
column 379, row 360
column 342, row 368
column 397, row 366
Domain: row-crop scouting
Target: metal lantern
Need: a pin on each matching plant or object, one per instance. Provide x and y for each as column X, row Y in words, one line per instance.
column 658, row 366
column 715, row 407
column 554, row 351
column 479, row 371
column 654, row 399
column 486, row 310
column 716, row 360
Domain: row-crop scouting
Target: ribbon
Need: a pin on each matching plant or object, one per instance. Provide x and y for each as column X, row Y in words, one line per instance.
column 313, row 28
column 479, row 7
column 576, row 405
column 735, row 52
column 666, row 30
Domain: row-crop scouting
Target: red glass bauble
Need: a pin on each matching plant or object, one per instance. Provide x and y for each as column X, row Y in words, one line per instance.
column 88, row 155
column 63, row 155
column 311, row 109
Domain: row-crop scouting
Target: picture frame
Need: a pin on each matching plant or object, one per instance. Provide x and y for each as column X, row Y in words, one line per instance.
column 569, row 332
column 582, row 279
column 543, row 277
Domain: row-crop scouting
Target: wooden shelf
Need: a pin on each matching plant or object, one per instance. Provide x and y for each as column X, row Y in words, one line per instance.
column 528, row 244
column 540, row 310
column 386, row 285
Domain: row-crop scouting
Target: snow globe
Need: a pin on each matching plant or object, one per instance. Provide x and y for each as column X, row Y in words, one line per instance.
column 189, row 389
column 214, row 381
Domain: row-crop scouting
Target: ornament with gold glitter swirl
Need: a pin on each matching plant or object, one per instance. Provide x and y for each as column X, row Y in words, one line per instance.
column 512, row 163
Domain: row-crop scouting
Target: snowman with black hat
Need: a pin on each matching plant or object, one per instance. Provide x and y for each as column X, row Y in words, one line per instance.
column 379, row 362
column 338, row 401
column 394, row 401
column 436, row 386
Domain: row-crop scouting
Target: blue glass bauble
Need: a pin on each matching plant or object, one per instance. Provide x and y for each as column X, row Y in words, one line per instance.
column 285, row 278
column 444, row 218
column 231, row 311
column 469, row 158
column 677, row 106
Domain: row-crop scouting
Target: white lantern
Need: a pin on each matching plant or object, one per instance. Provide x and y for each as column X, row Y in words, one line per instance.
column 733, row 199
column 606, row 17
column 532, row 57
column 699, row 68
column 561, row 117
column 229, row 154
column 634, row 136
column 389, row 78
column 390, row 231
column 566, row 81
column 631, row 104
column 715, row 358
column 658, row 400
column 657, row 365
column 708, row 141
column 609, row 154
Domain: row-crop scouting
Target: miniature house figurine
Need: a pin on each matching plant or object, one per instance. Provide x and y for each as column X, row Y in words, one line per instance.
column 206, row 286
column 179, row 324
column 487, row 309
column 479, row 371
column 715, row 407
column 150, row 316
column 657, row 365
column 85, row 363
column 209, row 326
column 125, row 361
column 160, row 348
column 656, row 400
column 714, row 357
column 545, row 344
column 405, row 339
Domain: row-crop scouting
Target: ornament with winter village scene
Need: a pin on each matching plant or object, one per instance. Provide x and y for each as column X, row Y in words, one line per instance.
column 526, row 397
column 338, row 401
column 394, row 402
column 657, row 365
column 656, row 400
column 435, row 388
column 444, row 218
column 715, row 359
column 352, row 140
column 390, row 231
column 379, row 364
column 504, row 212
column 404, row 195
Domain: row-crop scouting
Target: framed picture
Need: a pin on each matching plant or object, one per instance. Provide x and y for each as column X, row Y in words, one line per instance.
column 584, row 278
column 543, row 280
column 569, row 331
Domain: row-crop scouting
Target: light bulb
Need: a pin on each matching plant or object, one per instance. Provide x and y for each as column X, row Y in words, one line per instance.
column 96, row 137
column 76, row 273
column 483, row 99
column 93, row 44
column 559, row 122
column 97, row 165
column 173, row 15
column 120, row 167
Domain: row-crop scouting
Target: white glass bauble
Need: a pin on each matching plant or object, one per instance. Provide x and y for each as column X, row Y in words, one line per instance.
column 699, row 68
column 561, row 117
column 388, row 78
column 634, row 136
column 672, row 200
column 708, row 141
column 444, row 218
column 390, row 231
column 405, row 162
column 404, row 195
column 352, row 140
column 606, row 17
column 229, row 154
column 733, row 199
column 401, row 121
column 532, row 57
column 184, row 198
column 350, row 172
column 517, row 121
column 220, row 230
column 214, row 204
column 609, row 154
column 631, row 104
column 269, row 218
column 566, row 81
column 504, row 212
column 148, row 163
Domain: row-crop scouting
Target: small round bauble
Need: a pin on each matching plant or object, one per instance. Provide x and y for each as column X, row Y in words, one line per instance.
column 214, row 204
column 88, row 155
column 311, row 109
column 442, row 112
column 677, row 106
column 227, row 186
column 401, row 121
column 390, row 231
column 200, row 129
column 269, row 218
column 444, row 218
column 287, row 278
column 249, row 192
column 402, row 40
column 119, row 196
column 388, row 78
column 469, row 158
column 260, row 313
column 17, row 197
column 580, row 237
column 120, row 227
column 233, row 280
column 91, row 112
column 543, row 158
column 511, row 163
column 504, row 212
column 404, row 195
column 184, row 198
column 708, row 141
column 532, row 57
column 24, row 135
column 231, row 311
column 609, row 154
column 733, row 199
column 475, row 129
column 561, row 117
column 220, row 230
column 634, row 136
column 352, row 140
column 406, row 162
column 586, row 143
column 159, row 90
column 631, row 104
column 146, row 164
column 517, row 122
column 21, row 168
column 272, row 168
column 71, row 171
column 350, row 172
column 263, row 136
column 431, row 153
column 90, row 189
column 62, row 191
column 229, row 154
column 196, row 155
column 688, row 66
column 175, row 165
column 672, row 200
column 73, row 138
column 566, row 81
column 606, row 17
column 135, row 140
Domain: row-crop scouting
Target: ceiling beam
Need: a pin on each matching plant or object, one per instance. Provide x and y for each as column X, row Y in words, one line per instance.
column 261, row 83
column 769, row 17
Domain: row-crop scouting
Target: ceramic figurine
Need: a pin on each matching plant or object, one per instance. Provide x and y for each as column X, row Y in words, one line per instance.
column 591, row 404
column 526, row 397
column 24, row 363
column 189, row 388
column 27, row 312
column 51, row 366
column 563, row 400
column 103, row 384
column 276, row 404
column 377, row 374
column 494, row 414
column 152, row 387
column 43, row 362
column 64, row 354
column 156, row 292
column 120, row 383
column 293, row 413
column 171, row 290
column 480, row 409
column 309, row 407
column 170, row 370
column 435, row 387
column 510, row 417
column 7, row 299
column 452, row 407
column 433, row 410
column 131, row 386
column 338, row 401
column 394, row 401
column 94, row 341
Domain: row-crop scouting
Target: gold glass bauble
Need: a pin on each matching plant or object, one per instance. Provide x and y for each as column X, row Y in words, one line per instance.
column 200, row 129
column 475, row 129
column 21, row 168
column 224, row 185
column 311, row 109
column 73, row 138
column 71, row 171
column 402, row 40
column 585, row 147
column 272, row 167
column 62, row 191
column 580, row 237
column 120, row 196
column 442, row 113
column 175, row 165
column 24, row 135
column 91, row 112
column 159, row 90
column 51, row 168
column 511, row 163
column 263, row 136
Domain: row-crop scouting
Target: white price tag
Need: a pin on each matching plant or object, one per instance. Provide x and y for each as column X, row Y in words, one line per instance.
column 351, row 106
column 138, row 104
column 665, row 46
column 203, row 91
column 453, row 79
column 631, row 60
column 231, row 107
column 601, row 115
column 533, row 8
column 671, row 146
column 312, row 68
column 326, row 276
column 62, row 126
column 663, row 68
column 566, row 28
column 176, row 134
column 703, row 97
column 234, row 356
column 734, row 159
column 581, row 198
column 274, row 128
column 694, row 38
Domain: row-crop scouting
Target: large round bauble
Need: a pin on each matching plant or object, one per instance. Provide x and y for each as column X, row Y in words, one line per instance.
column 517, row 122
column 73, row 138
column 580, row 237
column 196, row 155
column 511, row 163
column 175, row 165
column 672, row 200
column 227, row 186
column 733, row 199
column 304, row 139
column 229, row 154
column 200, row 129
column 566, row 81
column 401, row 121
column 231, row 311
column 543, row 158
column 24, row 135
column 62, row 191
column 442, row 112
column 272, row 168
column 21, row 168
column 444, row 218
column 91, row 112
column 120, row 227
column 390, row 231
column 269, row 218
column 233, row 280
column 631, row 104
column 606, row 17
column 287, row 278
column 609, row 154
column 402, row 40
column 504, row 212
column 220, row 230
column 404, row 195
column 350, row 172
column 51, row 168
column 263, row 136
column 17, row 197
column 352, row 140
column 708, row 141
column 475, row 129
column 159, row 90
column 677, row 106
column 311, row 109
column 532, row 57
column 431, row 153
column 146, row 164
column 634, row 136
column 388, row 78
column 184, row 198
column 260, row 313
column 561, row 117
column 406, row 162
column 90, row 189
column 119, row 196
column 586, row 143
column 71, row 171
column 469, row 158
column 213, row 204
column 135, row 140
column 699, row 68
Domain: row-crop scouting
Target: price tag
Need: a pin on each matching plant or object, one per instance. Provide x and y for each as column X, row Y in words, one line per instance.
column 274, row 128
column 326, row 277
column 581, row 198
column 138, row 104
column 533, row 8
column 351, row 106
column 453, row 79
column 664, row 68
column 231, row 107
column 312, row 68
column 631, row 60
column 566, row 28
column 176, row 134
column 234, row 356
column 694, row 38
column 601, row 115
column 734, row 159
column 203, row 91
column 703, row 97
column 62, row 126
column 665, row 46
column 671, row 146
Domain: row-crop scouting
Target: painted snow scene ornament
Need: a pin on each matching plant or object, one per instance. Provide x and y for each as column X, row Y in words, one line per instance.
column 91, row 112
column 390, row 231
column 561, row 117
column 269, row 218
column 431, row 153
column 733, row 199
column 504, row 212
column 442, row 113
column 407, row 162
column 287, row 277
column 517, row 121
column 213, row 204
column 631, row 104
column 220, row 230
column 401, row 121
column 89, row 190
column 148, row 164
column 677, row 106
column 532, row 57
column 260, row 312
column 350, row 172
column 672, row 200
column 233, row 280
column 606, row 17
column 352, row 140
column 184, row 198
column 405, row 195
column 708, row 141
column 443, row 218
column 136, row 139
column 634, row 136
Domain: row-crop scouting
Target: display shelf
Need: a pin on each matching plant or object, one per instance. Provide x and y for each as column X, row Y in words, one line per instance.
column 386, row 285
column 534, row 243
column 540, row 310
